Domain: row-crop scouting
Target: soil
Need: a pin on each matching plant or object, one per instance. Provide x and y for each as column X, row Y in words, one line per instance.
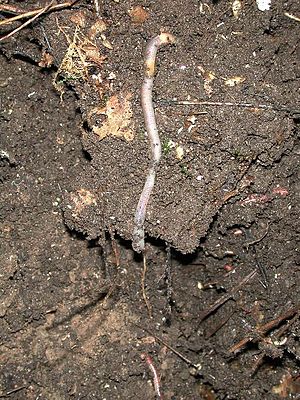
column 212, row 307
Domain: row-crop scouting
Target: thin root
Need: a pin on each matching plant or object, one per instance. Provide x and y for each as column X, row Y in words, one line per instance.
column 148, row 305
column 228, row 104
column 183, row 358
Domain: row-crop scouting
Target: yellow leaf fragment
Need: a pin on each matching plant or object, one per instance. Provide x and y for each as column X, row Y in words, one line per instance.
column 96, row 29
column 117, row 115
column 106, row 43
column 208, row 77
column 81, row 199
column 138, row 15
column 179, row 152
column 235, row 80
column 236, row 8
column 46, row 60
column 93, row 55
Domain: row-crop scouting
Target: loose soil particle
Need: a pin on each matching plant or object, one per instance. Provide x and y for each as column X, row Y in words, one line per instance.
column 73, row 159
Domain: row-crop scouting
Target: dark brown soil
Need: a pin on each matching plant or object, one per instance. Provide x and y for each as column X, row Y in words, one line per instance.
column 222, row 279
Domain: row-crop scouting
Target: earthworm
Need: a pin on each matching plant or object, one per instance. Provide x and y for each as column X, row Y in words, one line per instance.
column 156, row 380
column 138, row 243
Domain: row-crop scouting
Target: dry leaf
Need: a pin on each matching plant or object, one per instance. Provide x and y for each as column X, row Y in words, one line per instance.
column 236, row 8
column 46, row 60
column 81, row 199
column 96, row 29
column 208, row 77
column 78, row 18
column 106, row 43
column 179, row 152
column 138, row 15
column 92, row 54
column 117, row 115
column 235, row 80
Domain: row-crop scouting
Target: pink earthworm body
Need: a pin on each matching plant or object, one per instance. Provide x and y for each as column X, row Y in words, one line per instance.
column 138, row 243
column 156, row 380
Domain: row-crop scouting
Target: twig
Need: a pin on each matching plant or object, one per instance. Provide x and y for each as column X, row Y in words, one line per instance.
column 282, row 330
column 13, row 391
column 7, row 8
column 240, row 344
column 183, row 358
column 42, row 11
column 275, row 322
column 264, row 329
column 292, row 17
column 247, row 245
column 97, row 8
column 226, row 297
column 227, row 103
column 34, row 12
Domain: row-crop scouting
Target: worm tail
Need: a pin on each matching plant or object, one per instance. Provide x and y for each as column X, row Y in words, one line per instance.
column 138, row 243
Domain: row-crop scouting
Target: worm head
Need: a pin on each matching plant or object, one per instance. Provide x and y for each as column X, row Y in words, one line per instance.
column 166, row 38
column 160, row 40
